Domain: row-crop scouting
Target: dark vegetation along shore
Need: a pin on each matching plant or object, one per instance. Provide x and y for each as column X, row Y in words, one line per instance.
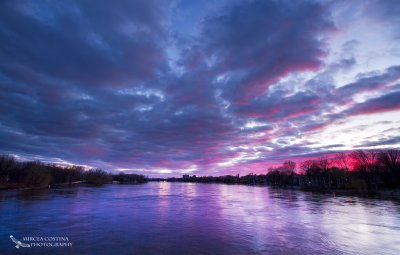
column 357, row 172
column 35, row 174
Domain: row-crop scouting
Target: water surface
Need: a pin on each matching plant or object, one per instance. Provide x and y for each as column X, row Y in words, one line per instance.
column 189, row 218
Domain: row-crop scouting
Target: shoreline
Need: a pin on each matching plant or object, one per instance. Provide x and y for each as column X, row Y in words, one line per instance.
column 59, row 186
column 383, row 194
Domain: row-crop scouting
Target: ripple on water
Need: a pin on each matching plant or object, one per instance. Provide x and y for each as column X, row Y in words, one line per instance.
column 178, row 218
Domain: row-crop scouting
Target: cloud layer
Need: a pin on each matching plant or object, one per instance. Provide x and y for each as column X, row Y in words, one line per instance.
column 172, row 87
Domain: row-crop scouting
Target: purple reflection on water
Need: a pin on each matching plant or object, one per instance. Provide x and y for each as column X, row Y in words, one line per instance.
column 188, row 218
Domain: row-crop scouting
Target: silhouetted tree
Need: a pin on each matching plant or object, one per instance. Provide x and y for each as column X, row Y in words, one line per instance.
column 366, row 162
column 289, row 167
column 342, row 160
column 389, row 164
column 97, row 177
column 35, row 174
column 129, row 178
column 7, row 164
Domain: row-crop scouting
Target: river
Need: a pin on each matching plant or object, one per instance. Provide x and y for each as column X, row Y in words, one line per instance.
column 190, row 218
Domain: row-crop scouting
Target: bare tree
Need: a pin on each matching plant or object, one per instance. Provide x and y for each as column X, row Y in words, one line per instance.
column 365, row 160
column 342, row 160
column 323, row 164
column 390, row 160
column 307, row 165
column 290, row 166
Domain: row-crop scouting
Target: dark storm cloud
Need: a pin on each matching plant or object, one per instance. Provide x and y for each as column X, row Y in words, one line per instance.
column 275, row 107
column 82, row 42
column 388, row 102
column 322, row 100
column 368, row 83
column 383, row 141
column 263, row 41
column 59, row 64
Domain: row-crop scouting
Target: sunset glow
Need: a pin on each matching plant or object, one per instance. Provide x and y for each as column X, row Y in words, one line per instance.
column 165, row 88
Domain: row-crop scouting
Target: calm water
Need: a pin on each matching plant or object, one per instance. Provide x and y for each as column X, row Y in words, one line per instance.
column 186, row 218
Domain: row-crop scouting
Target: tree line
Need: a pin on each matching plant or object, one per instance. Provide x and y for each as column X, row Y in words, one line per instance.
column 35, row 174
column 361, row 170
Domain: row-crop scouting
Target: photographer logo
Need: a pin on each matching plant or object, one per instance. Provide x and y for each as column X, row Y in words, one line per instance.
column 41, row 241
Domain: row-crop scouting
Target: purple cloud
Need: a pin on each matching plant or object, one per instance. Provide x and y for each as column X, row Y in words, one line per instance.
column 161, row 87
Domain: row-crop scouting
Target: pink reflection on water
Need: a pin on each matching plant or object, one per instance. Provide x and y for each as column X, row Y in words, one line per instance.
column 164, row 190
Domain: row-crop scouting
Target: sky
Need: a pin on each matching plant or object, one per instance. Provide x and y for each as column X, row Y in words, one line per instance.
column 165, row 88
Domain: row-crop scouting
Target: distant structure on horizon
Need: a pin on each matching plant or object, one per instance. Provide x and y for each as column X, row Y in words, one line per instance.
column 186, row 176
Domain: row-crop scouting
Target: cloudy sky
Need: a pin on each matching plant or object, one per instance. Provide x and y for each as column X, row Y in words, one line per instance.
column 166, row 88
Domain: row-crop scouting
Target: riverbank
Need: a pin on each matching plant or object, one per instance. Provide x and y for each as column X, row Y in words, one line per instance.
column 17, row 186
column 380, row 193
column 385, row 194
column 393, row 194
